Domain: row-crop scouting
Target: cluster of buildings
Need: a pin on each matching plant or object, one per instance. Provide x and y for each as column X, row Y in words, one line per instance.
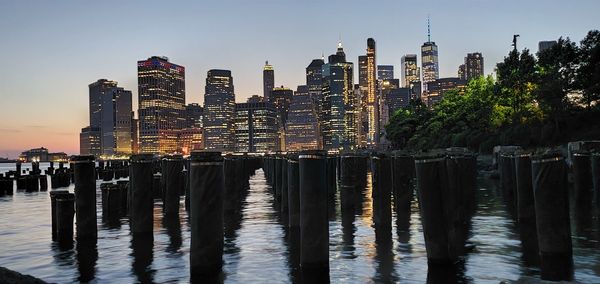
column 332, row 111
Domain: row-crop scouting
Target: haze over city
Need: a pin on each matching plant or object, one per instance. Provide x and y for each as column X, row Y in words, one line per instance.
column 51, row 51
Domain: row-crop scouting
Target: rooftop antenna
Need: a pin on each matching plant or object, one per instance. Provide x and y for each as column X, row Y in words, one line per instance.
column 322, row 55
column 514, row 44
column 428, row 30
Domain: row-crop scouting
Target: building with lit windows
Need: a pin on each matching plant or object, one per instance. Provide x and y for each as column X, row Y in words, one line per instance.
column 429, row 60
column 372, row 100
column 256, row 127
column 193, row 115
column 219, row 111
column 190, row 139
column 385, row 88
column 281, row 97
column 396, row 99
column 340, row 106
column 473, row 67
column 411, row 73
column 385, row 72
column 89, row 141
column 314, row 83
column 116, row 122
column 96, row 93
column 302, row 131
column 438, row 88
column 161, row 102
column 268, row 79
column 41, row 155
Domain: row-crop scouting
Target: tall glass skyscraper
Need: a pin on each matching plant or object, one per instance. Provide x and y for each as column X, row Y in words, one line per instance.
column 219, row 111
column 116, row 122
column 302, row 131
column 255, row 127
column 429, row 60
column 410, row 70
column 314, row 84
column 385, row 72
column 341, row 116
column 161, row 102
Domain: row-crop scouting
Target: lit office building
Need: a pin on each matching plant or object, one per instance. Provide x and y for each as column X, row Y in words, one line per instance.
column 219, row 111
column 473, row 67
column 314, row 83
column 256, row 127
column 429, row 60
column 281, row 97
column 193, row 115
column 340, row 107
column 396, row 99
column 385, row 72
column 372, row 100
column 410, row 70
column 161, row 100
column 302, row 131
column 190, row 139
column 116, row 122
column 385, row 88
column 96, row 93
column 268, row 80
column 89, row 141
column 438, row 88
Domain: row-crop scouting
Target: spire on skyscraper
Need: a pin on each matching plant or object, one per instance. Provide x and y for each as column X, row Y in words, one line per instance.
column 428, row 30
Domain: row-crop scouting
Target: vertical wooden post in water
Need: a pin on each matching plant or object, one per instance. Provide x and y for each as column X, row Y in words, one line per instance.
column 550, row 187
column 314, row 230
column 382, row 185
column 206, row 202
column 172, row 168
column 284, row 186
column 64, row 218
column 583, row 184
column 53, row 196
column 140, row 194
column 293, row 192
column 84, row 171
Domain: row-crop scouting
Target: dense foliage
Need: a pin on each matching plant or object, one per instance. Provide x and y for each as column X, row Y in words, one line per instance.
column 547, row 99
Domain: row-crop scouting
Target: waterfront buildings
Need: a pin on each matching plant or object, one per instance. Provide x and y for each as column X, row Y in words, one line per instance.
column 161, row 101
column 219, row 111
column 42, row 155
column 302, row 130
column 89, row 141
column 268, row 80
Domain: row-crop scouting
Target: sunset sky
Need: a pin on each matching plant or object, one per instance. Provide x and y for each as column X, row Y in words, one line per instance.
column 52, row 50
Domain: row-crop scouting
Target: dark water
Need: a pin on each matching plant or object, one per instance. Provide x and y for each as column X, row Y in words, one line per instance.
column 257, row 248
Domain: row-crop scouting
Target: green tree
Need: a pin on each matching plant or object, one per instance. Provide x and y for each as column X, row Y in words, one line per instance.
column 404, row 122
column 516, row 79
column 589, row 70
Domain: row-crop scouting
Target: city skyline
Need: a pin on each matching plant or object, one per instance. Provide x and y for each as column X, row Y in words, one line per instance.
column 43, row 97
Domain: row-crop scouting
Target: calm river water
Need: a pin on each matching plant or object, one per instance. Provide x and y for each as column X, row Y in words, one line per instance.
column 257, row 248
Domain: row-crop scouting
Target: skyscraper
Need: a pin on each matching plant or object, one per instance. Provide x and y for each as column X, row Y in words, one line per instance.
column 219, row 111
column 385, row 72
column 429, row 60
column 314, row 83
column 385, row 88
column 255, row 126
column 193, row 115
column 97, row 90
column 438, row 88
column 268, row 80
column 410, row 70
column 372, row 102
column 116, row 122
column 341, row 116
column 281, row 97
column 303, row 131
column 473, row 66
column 161, row 102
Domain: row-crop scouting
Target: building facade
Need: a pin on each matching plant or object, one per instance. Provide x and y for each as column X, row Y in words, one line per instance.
column 340, row 106
column 89, row 141
column 473, row 66
column 281, row 97
column 410, row 70
column 116, row 122
column 438, row 88
column 193, row 115
column 219, row 111
column 372, row 99
column 256, row 127
column 385, row 72
column 429, row 63
column 303, row 131
column 161, row 102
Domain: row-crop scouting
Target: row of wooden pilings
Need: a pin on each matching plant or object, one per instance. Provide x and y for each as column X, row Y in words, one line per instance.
column 536, row 190
column 201, row 178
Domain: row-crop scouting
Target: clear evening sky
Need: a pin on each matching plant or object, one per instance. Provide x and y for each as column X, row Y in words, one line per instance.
column 51, row 50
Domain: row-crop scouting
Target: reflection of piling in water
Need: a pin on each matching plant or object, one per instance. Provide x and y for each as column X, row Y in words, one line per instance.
column 142, row 252
column 206, row 201
column 63, row 220
column 381, row 167
column 87, row 255
column 171, row 172
column 314, row 233
column 526, row 209
column 549, row 175
column 141, row 202
column 85, row 194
